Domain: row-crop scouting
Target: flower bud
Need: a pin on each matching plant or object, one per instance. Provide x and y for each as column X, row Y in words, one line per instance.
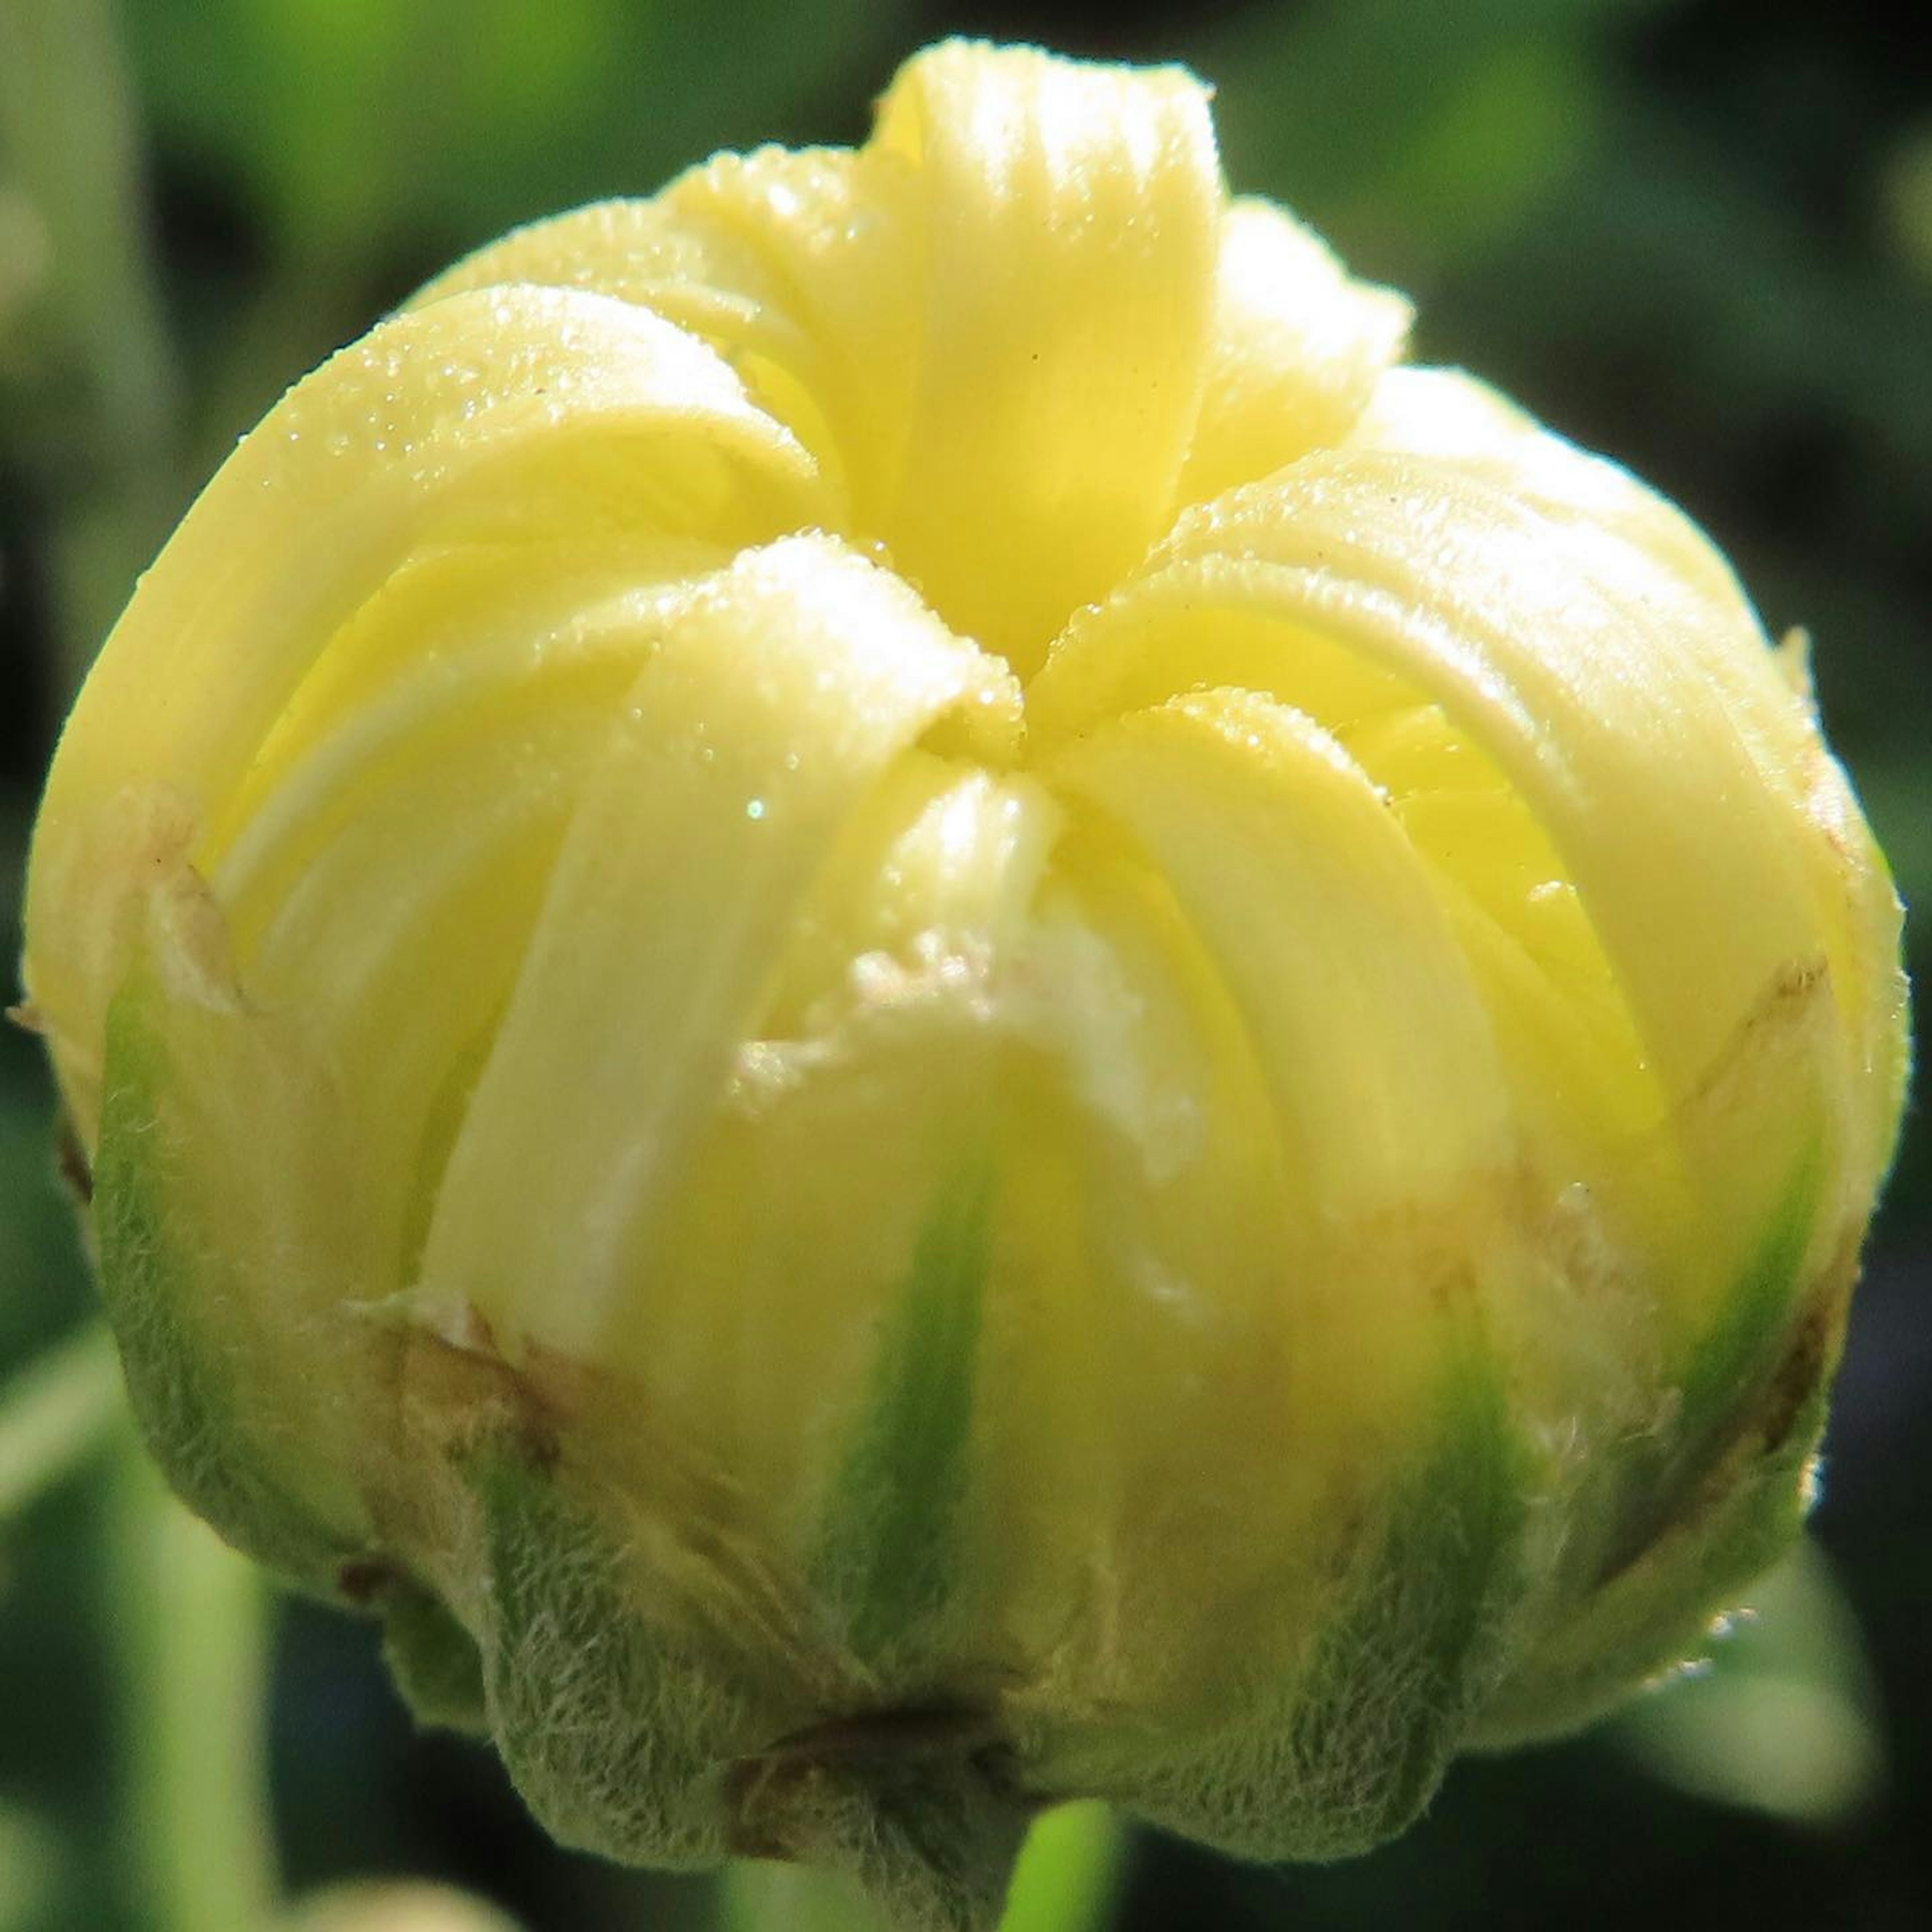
column 910, row 1004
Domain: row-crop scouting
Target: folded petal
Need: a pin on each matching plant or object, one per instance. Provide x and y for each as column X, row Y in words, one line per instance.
column 992, row 324
column 1067, row 223
column 792, row 264
column 1587, row 739
column 778, row 696
column 495, row 418
column 1297, row 347
column 1297, row 879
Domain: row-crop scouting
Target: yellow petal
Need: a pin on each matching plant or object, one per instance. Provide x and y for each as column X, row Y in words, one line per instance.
column 992, row 324
column 1067, row 224
column 1454, row 417
column 868, row 1085
column 778, row 694
column 1289, row 865
column 1297, row 347
column 1447, row 414
column 493, row 418
column 386, row 885
column 793, row 265
column 1630, row 822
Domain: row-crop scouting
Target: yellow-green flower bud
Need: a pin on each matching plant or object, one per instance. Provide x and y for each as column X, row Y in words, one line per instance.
column 911, row 1005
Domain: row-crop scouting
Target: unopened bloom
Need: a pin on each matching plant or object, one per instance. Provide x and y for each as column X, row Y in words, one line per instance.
column 911, row 1004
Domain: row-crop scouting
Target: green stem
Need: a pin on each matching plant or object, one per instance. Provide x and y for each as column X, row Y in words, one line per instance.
column 1070, row 1871
column 53, row 1413
column 756, row 1896
column 1068, row 1879
column 191, row 1618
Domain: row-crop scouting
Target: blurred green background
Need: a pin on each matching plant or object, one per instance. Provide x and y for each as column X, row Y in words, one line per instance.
column 1695, row 233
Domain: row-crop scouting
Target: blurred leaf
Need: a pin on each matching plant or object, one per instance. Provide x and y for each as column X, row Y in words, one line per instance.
column 1783, row 1718
column 16, row 819
column 87, row 381
column 53, row 1413
column 42, row 1284
column 351, row 121
column 31, row 1863
column 190, row 1625
column 372, row 141
column 1431, row 126
column 1490, row 150
column 26, row 266
column 75, row 223
column 1897, row 793
column 1679, row 246
column 1905, row 194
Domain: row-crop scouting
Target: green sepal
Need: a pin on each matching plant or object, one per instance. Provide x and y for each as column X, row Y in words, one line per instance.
column 645, row 1729
column 888, row 1557
column 1415, row 1635
column 614, row 1724
column 1718, row 1498
column 1657, row 1613
column 437, row 1668
column 180, row 1312
column 1400, row 1678
column 1665, row 1473
column 1750, row 1336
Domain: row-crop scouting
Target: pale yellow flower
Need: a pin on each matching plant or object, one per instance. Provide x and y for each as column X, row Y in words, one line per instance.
column 914, row 1005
